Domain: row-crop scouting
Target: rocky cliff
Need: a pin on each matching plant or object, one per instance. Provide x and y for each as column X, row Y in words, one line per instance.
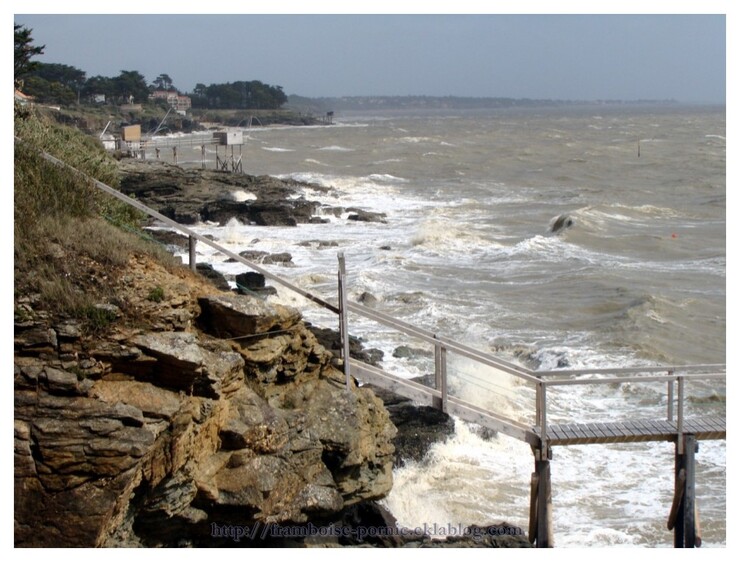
column 209, row 409
column 162, row 410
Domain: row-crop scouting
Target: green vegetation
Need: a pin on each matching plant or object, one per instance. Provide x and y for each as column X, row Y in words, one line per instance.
column 23, row 53
column 98, row 318
column 66, row 85
column 238, row 95
column 156, row 294
column 66, row 252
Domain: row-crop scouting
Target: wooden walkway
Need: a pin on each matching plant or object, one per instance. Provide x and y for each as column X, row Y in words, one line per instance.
column 633, row 431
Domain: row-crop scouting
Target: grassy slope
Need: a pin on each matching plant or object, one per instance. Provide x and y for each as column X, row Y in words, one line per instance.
column 68, row 236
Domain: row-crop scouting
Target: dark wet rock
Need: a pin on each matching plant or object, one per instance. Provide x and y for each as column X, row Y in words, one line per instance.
column 253, row 283
column 257, row 256
column 188, row 196
column 561, row 223
column 365, row 216
column 217, row 278
column 319, row 244
column 419, row 427
column 367, row 299
column 251, row 280
column 331, row 341
column 407, row 352
column 318, row 220
column 501, row 535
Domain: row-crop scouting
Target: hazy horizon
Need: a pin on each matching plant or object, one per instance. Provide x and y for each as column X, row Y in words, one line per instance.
column 558, row 57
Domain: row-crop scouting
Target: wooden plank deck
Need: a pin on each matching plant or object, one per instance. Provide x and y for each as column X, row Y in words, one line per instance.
column 631, row 431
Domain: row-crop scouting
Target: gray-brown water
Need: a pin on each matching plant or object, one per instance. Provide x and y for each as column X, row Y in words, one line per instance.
column 638, row 278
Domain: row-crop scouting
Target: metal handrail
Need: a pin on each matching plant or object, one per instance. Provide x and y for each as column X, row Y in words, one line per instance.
column 628, row 370
column 611, row 380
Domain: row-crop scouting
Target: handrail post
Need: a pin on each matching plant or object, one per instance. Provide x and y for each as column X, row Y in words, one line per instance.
column 440, row 375
column 343, row 331
column 679, row 426
column 543, row 415
column 670, row 396
column 537, row 404
column 541, row 502
column 191, row 252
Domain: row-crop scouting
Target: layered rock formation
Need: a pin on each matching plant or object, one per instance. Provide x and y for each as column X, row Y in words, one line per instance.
column 216, row 409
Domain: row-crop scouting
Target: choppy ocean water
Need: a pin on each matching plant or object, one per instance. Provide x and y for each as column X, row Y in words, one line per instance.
column 470, row 197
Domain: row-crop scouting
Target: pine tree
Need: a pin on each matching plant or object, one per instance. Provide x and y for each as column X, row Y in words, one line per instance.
column 24, row 52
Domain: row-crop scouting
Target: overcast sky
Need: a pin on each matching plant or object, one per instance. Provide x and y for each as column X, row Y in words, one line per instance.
column 535, row 56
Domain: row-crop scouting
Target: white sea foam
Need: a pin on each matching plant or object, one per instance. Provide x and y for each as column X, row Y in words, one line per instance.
column 335, row 148
column 241, row 195
column 464, row 480
column 277, row 149
column 440, row 234
column 386, row 178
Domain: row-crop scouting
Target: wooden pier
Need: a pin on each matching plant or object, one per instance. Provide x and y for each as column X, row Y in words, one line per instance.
column 542, row 436
column 162, row 145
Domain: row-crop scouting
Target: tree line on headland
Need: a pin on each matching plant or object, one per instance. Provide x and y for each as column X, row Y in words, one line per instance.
column 64, row 84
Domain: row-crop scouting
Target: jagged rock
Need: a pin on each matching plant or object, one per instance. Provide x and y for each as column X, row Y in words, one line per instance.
column 189, row 196
column 406, row 352
column 69, row 330
column 330, row 339
column 153, row 401
column 365, row 216
column 228, row 316
column 284, row 358
column 76, row 439
column 35, row 337
column 368, row 299
column 254, row 425
column 257, row 256
column 57, row 381
column 354, row 432
column 183, row 364
column 418, row 427
column 217, row 278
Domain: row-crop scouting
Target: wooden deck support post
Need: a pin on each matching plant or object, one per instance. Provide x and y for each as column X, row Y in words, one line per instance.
column 682, row 519
column 191, row 252
column 540, row 530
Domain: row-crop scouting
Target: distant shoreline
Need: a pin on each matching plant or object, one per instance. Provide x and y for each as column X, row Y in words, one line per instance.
column 341, row 103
